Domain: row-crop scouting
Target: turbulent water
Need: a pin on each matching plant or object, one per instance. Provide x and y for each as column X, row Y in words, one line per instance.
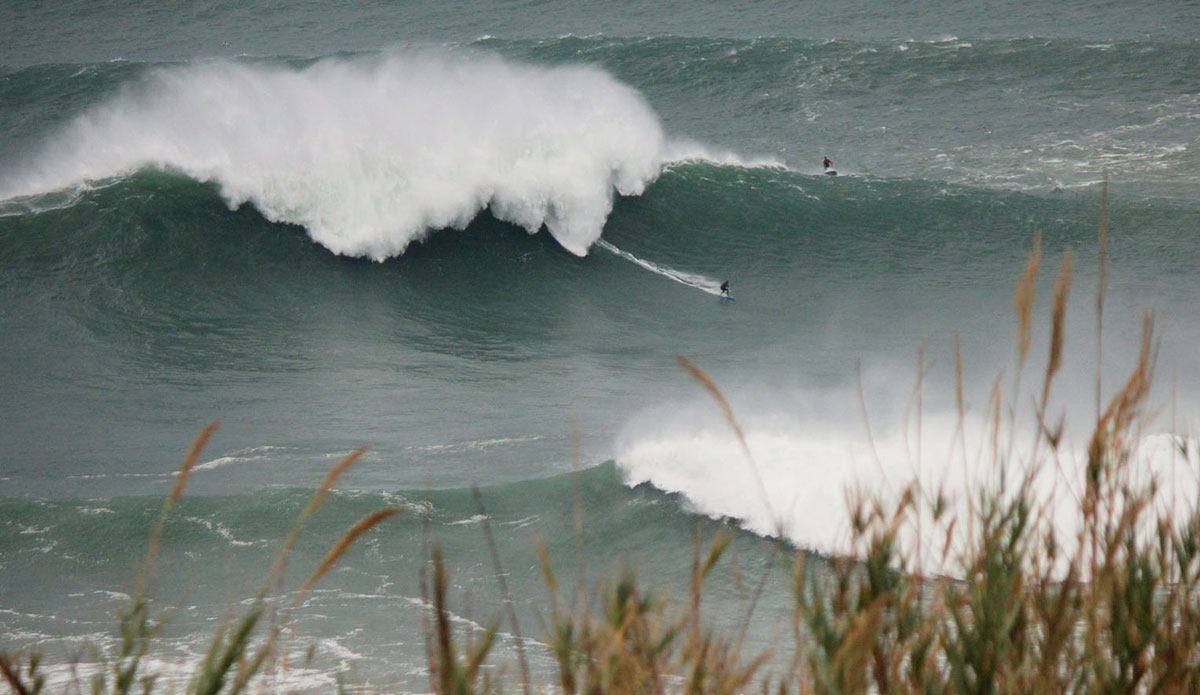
column 475, row 237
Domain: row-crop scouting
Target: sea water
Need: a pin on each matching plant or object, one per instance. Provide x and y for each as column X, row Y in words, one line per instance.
column 474, row 238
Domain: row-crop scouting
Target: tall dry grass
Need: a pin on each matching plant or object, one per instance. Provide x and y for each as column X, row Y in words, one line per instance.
column 240, row 648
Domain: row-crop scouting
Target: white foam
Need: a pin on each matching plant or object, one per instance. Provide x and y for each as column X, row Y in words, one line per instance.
column 473, row 445
column 369, row 154
column 223, row 531
column 809, row 465
column 174, row 674
column 469, row 521
column 257, row 453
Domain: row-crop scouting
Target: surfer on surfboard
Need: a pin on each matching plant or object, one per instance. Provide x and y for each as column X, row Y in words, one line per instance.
column 828, row 165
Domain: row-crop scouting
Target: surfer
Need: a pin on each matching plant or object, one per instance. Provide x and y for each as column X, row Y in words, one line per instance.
column 828, row 163
column 725, row 289
column 829, row 170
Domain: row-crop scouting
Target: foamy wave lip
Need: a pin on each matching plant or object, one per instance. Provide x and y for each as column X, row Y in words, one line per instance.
column 802, row 478
column 370, row 154
column 808, row 472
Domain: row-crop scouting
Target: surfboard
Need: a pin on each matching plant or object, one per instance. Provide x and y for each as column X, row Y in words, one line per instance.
column 730, row 297
column 830, row 172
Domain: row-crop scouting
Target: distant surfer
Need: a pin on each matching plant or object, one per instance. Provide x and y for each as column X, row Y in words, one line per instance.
column 725, row 289
column 828, row 165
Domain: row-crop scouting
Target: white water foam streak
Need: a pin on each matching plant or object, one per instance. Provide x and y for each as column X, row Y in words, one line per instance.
column 700, row 282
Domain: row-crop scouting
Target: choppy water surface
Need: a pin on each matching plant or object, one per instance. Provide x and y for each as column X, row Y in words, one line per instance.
column 461, row 236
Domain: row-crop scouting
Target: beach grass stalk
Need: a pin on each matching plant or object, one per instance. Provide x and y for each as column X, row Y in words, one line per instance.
column 235, row 656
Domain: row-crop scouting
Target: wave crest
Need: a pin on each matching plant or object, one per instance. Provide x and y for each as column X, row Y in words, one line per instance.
column 370, row 154
column 807, row 468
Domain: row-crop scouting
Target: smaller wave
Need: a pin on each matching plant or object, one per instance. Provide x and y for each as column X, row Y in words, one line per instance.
column 257, row 453
column 469, row 521
column 473, row 445
column 224, row 532
column 804, row 474
column 523, row 522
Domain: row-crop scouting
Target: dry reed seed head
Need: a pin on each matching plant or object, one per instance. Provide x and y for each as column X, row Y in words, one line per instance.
column 908, row 501
column 1109, row 442
column 1053, row 433
column 11, row 672
column 856, row 504
column 547, row 571
column 367, row 523
column 996, row 408
column 706, row 381
column 190, row 460
column 314, row 503
column 948, row 541
column 331, row 477
column 181, row 479
column 958, row 374
column 940, row 503
column 719, row 545
column 1062, row 287
column 181, row 476
column 798, row 573
column 1024, row 295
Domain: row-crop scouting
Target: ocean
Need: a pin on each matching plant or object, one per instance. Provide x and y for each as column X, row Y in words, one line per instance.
column 474, row 238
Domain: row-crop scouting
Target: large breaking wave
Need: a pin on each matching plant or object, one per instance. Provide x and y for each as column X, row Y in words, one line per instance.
column 371, row 153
